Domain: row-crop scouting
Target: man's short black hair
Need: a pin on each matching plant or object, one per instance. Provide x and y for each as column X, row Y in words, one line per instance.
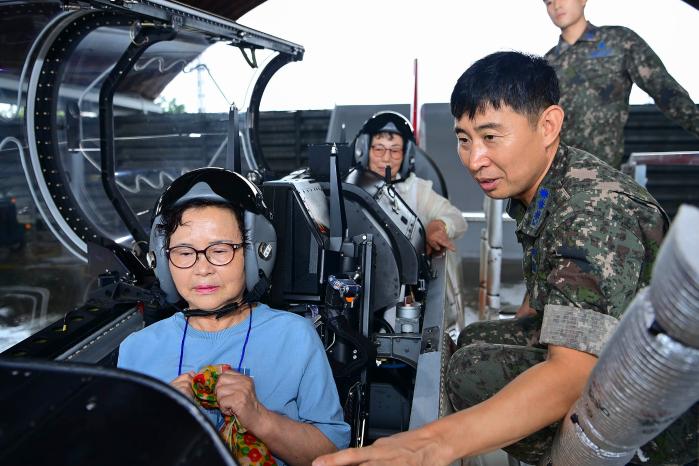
column 525, row 83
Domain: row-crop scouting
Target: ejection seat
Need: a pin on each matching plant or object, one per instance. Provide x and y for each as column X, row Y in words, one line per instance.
column 425, row 168
column 336, row 239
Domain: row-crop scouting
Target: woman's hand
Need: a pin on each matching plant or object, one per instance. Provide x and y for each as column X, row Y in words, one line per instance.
column 236, row 396
column 183, row 384
column 295, row 442
column 437, row 238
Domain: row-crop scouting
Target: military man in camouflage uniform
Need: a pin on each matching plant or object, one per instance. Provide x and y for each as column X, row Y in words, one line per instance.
column 596, row 67
column 590, row 235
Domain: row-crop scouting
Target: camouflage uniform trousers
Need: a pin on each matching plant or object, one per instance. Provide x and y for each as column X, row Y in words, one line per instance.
column 491, row 354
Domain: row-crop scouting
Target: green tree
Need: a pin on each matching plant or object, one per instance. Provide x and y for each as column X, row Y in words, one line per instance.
column 170, row 105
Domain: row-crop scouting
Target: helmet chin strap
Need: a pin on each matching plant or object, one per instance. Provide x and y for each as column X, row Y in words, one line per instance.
column 218, row 313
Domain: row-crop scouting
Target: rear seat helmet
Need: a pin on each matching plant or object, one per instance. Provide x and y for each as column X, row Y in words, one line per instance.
column 219, row 185
column 386, row 122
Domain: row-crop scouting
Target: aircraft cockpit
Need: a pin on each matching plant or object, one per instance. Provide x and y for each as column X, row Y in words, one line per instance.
column 352, row 256
column 93, row 129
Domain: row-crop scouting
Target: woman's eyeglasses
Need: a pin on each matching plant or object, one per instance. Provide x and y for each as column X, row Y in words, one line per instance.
column 379, row 150
column 184, row 257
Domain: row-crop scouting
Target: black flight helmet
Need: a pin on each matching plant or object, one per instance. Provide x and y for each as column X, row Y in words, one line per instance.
column 219, row 185
column 386, row 122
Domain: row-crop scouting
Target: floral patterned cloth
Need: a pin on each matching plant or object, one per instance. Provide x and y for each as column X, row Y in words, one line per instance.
column 247, row 449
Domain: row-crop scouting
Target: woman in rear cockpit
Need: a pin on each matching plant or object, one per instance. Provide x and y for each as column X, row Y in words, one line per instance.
column 265, row 370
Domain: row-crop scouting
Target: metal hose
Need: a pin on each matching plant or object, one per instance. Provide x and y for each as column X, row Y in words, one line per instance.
column 674, row 288
column 648, row 373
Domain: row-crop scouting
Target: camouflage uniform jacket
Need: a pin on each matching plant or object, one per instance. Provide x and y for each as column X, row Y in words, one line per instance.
column 589, row 238
column 596, row 74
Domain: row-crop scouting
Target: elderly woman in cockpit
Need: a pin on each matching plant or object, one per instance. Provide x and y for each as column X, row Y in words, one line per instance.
column 213, row 248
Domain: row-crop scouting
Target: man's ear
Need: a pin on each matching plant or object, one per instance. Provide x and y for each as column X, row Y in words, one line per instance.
column 550, row 123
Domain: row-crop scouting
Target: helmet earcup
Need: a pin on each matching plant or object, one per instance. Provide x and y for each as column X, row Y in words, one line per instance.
column 162, row 268
column 260, row 248
column 361, row 150
column 408, row 164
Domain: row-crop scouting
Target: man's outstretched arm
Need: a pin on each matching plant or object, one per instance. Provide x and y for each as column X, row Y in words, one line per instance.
column 649, row 73
column 535, row 399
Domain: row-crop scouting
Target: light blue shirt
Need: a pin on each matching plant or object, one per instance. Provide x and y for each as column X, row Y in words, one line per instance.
column 284, row 355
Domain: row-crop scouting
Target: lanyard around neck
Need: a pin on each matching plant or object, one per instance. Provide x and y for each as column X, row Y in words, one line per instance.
column 242, row 353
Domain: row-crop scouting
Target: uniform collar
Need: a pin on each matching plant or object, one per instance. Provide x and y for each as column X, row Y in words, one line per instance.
column 591, row 34
column 530, row 219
